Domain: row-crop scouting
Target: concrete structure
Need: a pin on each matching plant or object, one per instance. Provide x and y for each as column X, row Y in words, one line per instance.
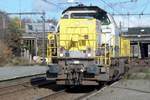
column 11, row 72
column 124, row 90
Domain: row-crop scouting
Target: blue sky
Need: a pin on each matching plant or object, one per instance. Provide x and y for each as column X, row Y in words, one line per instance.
column 120, row 6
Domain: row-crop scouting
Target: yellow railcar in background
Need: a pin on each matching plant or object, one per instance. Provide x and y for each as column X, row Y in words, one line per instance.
column 124, row 47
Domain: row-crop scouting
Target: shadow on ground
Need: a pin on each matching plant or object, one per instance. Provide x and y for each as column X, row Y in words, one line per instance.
column 42, row 82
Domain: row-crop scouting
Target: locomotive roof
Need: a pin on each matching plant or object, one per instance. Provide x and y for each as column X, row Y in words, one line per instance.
column 82, row 7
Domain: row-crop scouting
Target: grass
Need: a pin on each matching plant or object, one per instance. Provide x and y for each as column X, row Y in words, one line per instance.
column 18, row 61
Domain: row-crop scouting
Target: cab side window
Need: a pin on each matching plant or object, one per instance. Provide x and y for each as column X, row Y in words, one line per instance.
column 65, row 16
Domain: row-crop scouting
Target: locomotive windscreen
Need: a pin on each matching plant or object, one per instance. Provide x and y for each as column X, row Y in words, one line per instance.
column 99, row 13
column 100, row 16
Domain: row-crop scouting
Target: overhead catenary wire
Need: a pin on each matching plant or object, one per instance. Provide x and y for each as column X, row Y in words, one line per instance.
column 131, row 14
column 54, row 4
column 145, row 7
column 141, row 12
column 112, row 8
column 68, row 3
column 122, row 2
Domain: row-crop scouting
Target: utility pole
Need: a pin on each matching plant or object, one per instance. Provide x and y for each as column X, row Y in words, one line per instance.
column 43, row 39
column 36, row 47
column 120, row 46
column 3, row 17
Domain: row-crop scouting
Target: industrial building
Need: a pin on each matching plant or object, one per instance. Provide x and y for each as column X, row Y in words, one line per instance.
column 32, row 38
column 140, row 41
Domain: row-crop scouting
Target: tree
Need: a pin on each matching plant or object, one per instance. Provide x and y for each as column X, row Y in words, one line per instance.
column 14, row 34
column 5, row 53
column 10, row 37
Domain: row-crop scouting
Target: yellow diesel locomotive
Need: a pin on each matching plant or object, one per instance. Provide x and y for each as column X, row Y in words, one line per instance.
column 87, row 46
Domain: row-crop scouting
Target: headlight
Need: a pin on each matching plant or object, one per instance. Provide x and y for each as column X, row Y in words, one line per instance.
column 61, row 55
column 89, row 54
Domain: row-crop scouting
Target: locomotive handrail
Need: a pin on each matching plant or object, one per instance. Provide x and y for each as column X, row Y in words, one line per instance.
column 105, row 58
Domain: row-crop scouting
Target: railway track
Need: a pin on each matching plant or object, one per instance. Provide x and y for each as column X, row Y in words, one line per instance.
column 23, row 83
column 15, row 88
column 74, row 93
column 48, row 91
